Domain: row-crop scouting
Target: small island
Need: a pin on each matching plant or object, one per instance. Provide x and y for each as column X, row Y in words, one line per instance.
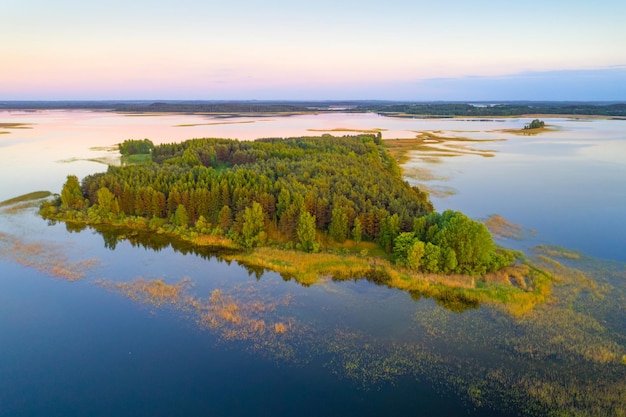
column 305, row 207
column 535, row 124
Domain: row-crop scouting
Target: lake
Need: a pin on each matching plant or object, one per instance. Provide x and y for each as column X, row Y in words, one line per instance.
column 113, row 323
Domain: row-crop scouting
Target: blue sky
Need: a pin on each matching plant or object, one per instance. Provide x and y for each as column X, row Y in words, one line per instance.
column 417, row 50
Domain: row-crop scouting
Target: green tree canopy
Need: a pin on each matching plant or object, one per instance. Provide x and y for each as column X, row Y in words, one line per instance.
column 306, row 232
column 71, row 195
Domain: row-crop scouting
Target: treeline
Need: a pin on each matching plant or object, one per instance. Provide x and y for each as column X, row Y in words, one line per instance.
column 233, row 108
column 230, row 108
column 462, row 109
column 136, row 147
column 285, row 191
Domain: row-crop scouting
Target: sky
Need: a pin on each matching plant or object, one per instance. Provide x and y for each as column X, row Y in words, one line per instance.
column 416, row 50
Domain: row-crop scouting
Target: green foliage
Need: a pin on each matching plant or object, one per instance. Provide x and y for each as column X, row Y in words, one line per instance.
column 108, row 206
column 253, row 231
column 225, row 218
column 181, row 217
column 389, row 230
column 136, row 147
column 306, row 232
column 414, row 254
column 338, row 228
column 450, row 263
column 402, row 245
column 357, row 230
column 430, row 262
column 347, row 187
column 449, row 243
column 71, row 195
column 535, row 124
column 354, row 175
column 470, row 240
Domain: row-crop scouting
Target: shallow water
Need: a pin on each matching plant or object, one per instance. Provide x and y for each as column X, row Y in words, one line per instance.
column 91, row 330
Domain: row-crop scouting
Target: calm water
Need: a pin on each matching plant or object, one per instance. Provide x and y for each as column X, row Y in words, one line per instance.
column 94, row 324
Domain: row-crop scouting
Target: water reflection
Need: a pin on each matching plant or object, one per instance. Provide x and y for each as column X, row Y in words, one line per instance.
column 45, row 257
column 449, row 299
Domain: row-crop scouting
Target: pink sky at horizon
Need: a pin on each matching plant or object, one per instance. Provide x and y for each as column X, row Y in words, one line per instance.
column 401, row 50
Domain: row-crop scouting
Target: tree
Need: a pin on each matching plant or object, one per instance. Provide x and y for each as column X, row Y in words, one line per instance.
column 535, row 124
column 414, row 254
column 133, row 147
column 225, row 218
column 107, row 202
column 430, row 260
column 71, row 195
column 306, row 232
column 338, row 228
column 357, row 230
column 389, row 230
column 470, row 240
column 253, row 230
column 450, row 263
column 181, row 218
column 401, row 247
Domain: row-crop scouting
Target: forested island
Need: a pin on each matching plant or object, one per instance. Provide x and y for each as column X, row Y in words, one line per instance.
column 280, row 203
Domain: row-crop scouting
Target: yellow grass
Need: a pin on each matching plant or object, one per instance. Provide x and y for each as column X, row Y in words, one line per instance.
column 502, row 228
column 434, row 144
column 34, row 196
column 517, row 289
column 15, row 126
column 155, row 292
column 44, row 257
column 528, row 132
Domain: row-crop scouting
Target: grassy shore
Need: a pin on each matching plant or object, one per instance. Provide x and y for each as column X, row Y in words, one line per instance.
column 517, row 289
column 529, row 132
column 36, row 195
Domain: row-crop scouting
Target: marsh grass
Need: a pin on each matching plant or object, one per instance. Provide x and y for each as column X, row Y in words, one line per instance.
column 242, row 313
column 556, row 252
column 516, row 290
column 15, row 126
column 155, row 292
column 30, row 197
column 44, row 257
column 438, row 191
column 106, row 160
column 19, row 207
column 422, row 173
column 502, row 228
column 113, row 148
column 559, row 358
column 530, row 132
column 434, row 144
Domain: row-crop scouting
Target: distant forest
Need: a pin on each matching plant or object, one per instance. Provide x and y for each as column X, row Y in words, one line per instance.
column 392, row 108
column 462, row 109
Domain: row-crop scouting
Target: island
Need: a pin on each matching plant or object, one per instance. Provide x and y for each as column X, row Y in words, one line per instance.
column 305, row 207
